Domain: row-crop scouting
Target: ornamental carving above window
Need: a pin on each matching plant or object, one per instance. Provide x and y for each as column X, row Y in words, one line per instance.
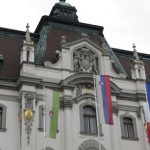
column 84, row 60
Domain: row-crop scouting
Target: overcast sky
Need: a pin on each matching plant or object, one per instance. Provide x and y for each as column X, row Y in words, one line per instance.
column 125, row 21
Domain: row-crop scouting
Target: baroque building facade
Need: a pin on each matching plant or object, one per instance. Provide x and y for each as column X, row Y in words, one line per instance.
column 63, row 54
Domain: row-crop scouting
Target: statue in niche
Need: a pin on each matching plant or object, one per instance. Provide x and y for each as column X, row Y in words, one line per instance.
column 85, row 61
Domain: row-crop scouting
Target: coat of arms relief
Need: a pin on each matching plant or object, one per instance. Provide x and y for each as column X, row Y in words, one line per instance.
column 85, row 60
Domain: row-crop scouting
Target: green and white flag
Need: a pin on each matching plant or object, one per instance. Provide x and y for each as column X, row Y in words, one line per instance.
column 52, row 111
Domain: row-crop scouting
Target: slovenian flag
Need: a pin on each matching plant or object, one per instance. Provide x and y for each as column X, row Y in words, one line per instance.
column 148, row 92
column 147, row 110
column 52, row 110
column 103, row 90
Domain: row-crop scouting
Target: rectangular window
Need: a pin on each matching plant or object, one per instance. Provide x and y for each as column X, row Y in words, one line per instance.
column 1, row 113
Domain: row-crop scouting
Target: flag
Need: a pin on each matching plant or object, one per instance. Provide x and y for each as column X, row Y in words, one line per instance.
column 147, row 119
column 148, row 92
column 104, row 98
column 52, row 110
column 148, row 131
column 147, row 110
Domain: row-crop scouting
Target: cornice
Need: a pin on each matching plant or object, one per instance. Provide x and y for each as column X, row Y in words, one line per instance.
column 131, row 97
column 83, row 97
column 9, row 98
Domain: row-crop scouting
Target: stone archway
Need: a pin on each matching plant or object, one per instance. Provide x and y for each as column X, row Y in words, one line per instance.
column 90, row 145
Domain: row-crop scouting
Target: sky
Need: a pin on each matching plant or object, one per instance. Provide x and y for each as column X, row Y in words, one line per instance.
column 125, row 21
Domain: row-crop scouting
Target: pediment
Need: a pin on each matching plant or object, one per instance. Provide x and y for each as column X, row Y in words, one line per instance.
column 87, row 79
column 85, row 42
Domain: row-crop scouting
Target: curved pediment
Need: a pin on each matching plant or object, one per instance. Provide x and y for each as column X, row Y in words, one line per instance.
column 86, row 80
column 78, row 78
column 114, row 88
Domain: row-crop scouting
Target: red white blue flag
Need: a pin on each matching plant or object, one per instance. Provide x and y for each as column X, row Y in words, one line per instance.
column 104, row 98
column 148, row 92
column 147, row 110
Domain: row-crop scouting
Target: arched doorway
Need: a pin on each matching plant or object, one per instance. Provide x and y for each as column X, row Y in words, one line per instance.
column 90, row 145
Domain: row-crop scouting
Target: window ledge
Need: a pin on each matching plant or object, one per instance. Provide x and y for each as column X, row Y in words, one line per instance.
column 89, row 134
column 131, row 139
column 3, row 130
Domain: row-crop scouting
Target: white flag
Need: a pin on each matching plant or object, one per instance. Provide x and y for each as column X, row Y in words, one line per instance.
column 146, row 112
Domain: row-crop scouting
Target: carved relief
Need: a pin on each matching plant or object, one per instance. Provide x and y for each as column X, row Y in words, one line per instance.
column 85, row 61
column 84, row 88
column 28, row 115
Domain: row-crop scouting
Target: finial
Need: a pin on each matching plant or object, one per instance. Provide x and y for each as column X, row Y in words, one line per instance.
column 28, row 38
column 135, row 54
column 134, row 47
column 62, row 0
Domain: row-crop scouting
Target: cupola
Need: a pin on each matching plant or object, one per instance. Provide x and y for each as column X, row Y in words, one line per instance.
column 65, row 11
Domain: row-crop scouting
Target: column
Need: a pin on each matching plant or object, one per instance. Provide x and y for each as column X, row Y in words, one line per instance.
column 67, row 108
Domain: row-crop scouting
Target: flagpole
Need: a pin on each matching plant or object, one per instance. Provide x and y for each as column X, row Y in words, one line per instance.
column 44, row 113
column 97, row 112
column 44, row 107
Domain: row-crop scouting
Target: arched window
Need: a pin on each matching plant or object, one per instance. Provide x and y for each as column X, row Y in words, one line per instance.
column 89, row 115
column 128, row 127
column 28, row 55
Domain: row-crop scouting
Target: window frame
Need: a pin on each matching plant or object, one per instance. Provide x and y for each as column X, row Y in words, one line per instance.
column 41, row 117
column 89, row 117
column 124, row 132
column 90, row 102
column 3, row 118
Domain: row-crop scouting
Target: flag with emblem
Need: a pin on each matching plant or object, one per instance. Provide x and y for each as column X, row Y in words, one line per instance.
column 52, row 111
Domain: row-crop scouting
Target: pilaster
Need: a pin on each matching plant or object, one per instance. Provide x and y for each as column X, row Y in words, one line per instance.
column 27, row 122
column 66, row 105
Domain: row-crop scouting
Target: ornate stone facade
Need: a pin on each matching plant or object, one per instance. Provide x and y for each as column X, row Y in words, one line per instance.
column 85, row 60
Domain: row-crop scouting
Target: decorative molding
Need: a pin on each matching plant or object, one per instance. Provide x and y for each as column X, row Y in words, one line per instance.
column 123, row 131
column 128, row 108
column 85, row 60
column 132, row 97
column 78, row 78
column 115, row 108
column 83, row 97
column 90, row 144
column 66, row 102
column 9, row 98
column 29, row 114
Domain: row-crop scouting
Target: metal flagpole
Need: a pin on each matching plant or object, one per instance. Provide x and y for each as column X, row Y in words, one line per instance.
column 44, row 113
column 97, row 112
